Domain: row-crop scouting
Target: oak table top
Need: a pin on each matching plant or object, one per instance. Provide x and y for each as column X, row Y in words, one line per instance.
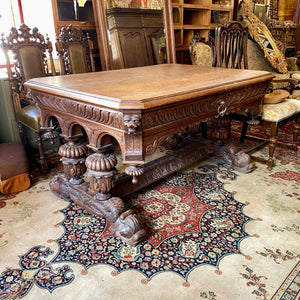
column 147, row 87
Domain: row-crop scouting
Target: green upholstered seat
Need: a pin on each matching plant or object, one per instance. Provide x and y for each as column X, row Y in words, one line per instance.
column 32, row 62
column 29, row 51
column 74, row 50
column 30, row 116
column 78, row 59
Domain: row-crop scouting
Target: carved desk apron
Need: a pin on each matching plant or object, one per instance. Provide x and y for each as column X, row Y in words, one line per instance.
column 140, row 108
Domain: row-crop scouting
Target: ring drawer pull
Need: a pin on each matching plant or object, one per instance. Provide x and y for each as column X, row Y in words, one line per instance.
column 222, row 109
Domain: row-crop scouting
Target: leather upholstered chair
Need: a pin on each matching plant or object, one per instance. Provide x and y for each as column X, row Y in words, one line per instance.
column 74, row 51
column 26, row 50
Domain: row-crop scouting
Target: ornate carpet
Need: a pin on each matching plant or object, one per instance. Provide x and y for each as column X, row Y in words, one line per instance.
column 213, row 233
column 285, row 132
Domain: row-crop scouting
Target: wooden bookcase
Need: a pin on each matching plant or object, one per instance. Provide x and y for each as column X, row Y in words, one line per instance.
column 191, row 16
column 221, row 12
column 64, row 15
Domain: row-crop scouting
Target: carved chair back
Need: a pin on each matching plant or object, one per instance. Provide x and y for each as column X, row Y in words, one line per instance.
column 231, row 45
column 29, row 53
column 26, row 51
column 202, row 52
column 74, row 51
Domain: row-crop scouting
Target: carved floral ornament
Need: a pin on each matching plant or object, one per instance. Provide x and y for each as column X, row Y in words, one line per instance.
column 261, row 34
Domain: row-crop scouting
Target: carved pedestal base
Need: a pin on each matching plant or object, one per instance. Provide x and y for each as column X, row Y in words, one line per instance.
column 97, row 193
column 125, row 224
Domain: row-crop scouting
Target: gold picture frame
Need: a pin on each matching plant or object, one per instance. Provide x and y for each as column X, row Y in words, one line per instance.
column 261, row 34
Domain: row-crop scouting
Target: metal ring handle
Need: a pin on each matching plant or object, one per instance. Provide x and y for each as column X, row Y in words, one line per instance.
column 222, row 109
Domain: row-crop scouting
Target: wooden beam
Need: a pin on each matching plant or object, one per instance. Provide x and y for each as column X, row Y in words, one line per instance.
column 297, row 21
column 21, row 11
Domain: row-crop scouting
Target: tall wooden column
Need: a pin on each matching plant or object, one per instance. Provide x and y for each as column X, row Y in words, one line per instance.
column 297, row 21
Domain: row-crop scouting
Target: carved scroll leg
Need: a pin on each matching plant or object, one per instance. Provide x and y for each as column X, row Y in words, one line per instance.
column 101, row 172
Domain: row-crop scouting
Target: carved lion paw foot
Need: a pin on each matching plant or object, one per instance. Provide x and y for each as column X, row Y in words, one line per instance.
column 238, row 159
column 128, row 228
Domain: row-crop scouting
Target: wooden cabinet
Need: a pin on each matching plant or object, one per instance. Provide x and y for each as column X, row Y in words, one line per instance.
column 130, row 32
column 65, row 12
column 191, row 16
column 221, row 12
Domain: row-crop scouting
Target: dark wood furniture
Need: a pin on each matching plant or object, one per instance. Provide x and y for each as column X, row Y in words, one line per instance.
column 26, row 50
column 140, row 109
column 103, row 38
column 64, row 14
column 231, row 45
column 228, row 50
column 130, row 35
column 92, row 19
column 74, row 50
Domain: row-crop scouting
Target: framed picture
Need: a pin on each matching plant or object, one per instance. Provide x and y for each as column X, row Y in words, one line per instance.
column 261, row 11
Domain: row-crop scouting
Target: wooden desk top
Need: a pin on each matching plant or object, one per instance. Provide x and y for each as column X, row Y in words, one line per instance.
column 146, row 87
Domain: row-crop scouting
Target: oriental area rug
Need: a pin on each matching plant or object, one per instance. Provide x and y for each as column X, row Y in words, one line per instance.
column 213, row 233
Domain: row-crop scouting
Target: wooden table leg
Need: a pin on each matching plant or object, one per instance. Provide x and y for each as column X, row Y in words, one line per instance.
column 94, row 195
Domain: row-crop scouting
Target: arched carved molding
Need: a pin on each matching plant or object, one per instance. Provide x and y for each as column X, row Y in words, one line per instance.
column 76, row 128
column 101, row 136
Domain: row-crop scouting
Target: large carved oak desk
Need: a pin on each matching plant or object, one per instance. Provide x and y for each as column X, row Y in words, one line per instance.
column 140, row 108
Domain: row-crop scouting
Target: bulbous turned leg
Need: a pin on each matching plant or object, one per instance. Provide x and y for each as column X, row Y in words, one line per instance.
column 73, row 159
column 101, row 172
column 221, row 127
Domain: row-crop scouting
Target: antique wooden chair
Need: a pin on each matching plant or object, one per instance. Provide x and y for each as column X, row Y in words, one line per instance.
column 231, row 45
column 26, row 50
column 202, row 53
column 231, row 41
column 231, row 50
column 273, row 113
column 74, row 50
